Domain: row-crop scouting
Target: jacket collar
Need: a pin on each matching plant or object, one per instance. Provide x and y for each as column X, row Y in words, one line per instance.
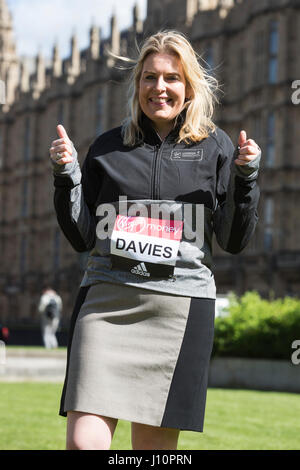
column 151, row 137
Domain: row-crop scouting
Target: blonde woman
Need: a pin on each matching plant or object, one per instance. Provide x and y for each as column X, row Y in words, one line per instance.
column 145, row 205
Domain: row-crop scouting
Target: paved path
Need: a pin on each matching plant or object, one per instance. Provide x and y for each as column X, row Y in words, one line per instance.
column 43, row 365
column 39, row 366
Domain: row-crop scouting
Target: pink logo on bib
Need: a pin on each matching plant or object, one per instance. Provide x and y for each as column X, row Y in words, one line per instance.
column 130, row 224
column 169, row 229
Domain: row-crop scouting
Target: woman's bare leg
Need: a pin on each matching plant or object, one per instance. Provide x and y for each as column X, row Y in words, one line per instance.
column 144, row 436
column 89, row 432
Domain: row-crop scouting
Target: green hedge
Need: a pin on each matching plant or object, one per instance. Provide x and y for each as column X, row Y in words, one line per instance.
column 258, row 328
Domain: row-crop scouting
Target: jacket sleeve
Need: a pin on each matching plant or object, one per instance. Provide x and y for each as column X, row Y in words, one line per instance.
column 75, row 197
column 237, row 196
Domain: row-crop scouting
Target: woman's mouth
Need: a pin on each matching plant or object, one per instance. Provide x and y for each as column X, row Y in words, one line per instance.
column 160, row 101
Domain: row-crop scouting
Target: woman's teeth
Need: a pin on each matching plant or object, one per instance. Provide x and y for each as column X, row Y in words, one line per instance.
column 160, row 100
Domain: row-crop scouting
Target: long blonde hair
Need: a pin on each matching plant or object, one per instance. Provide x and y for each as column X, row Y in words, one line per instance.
column 199, row 109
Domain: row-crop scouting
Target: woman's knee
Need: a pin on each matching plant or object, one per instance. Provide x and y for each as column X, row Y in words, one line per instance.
column 77, row 443
column 89, row 432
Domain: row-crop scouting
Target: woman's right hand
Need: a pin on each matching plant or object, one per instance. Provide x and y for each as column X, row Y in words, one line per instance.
column 61, row 150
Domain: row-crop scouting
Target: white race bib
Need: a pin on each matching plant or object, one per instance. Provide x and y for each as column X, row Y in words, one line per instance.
column 145, row 246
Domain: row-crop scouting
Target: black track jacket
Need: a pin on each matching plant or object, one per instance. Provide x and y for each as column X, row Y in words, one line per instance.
column 173, row 198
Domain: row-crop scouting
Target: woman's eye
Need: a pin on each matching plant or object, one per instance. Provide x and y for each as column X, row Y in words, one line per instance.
column 152, row 77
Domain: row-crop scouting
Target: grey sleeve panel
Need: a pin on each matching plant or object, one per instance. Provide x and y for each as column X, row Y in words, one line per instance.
column 250, row 170
column 70, row 172
column 74, row 214
column 81, row 216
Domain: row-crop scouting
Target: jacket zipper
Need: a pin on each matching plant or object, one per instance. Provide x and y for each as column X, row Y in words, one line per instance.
column 157, row 157
column 155, row 190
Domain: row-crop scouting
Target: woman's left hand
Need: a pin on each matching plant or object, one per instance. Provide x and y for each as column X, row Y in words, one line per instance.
column 248, row 151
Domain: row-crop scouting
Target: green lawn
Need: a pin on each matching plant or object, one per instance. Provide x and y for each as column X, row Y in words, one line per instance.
column 235, row 419
column 35, row 349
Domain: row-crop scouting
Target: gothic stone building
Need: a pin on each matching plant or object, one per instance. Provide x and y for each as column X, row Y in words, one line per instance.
column 251, row 46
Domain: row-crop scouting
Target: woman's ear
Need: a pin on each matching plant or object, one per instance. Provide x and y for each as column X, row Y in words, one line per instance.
column 188, row 93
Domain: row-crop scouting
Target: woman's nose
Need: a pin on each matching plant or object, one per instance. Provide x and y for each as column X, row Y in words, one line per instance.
column 160, row 84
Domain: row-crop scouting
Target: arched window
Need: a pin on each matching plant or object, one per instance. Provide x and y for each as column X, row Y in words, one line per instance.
column 273, row 52
column 268, row 223
column 270, row 147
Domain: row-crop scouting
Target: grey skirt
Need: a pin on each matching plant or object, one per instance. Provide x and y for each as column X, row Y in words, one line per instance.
column 139, row 355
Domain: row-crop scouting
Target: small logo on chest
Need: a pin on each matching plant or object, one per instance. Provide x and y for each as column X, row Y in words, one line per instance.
column 187, row 155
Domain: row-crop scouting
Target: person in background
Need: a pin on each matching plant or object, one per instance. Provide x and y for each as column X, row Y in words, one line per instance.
column 50, row 307
column 4, row 333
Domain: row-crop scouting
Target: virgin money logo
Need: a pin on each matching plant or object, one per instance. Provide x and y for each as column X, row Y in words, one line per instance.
column 131, row 224
column 147, row 226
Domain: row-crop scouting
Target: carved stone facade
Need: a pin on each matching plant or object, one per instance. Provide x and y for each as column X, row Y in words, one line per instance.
column 251, row 46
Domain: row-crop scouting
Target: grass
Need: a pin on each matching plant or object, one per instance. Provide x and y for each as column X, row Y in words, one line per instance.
column 235, row 419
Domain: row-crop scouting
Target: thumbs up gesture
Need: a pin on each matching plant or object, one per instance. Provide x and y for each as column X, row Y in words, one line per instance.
column 61, row 149
column 248, row 149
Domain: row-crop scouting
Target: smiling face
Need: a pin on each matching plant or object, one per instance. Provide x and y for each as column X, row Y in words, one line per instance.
column 162, row 89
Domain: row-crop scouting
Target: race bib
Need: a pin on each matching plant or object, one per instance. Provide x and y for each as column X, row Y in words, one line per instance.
column 145, row 246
